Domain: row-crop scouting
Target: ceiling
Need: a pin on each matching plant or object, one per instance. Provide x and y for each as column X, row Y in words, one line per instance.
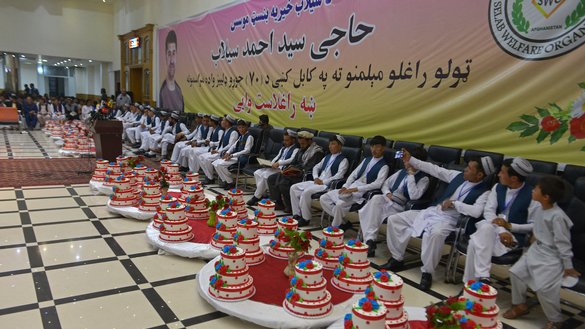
column 30, row 59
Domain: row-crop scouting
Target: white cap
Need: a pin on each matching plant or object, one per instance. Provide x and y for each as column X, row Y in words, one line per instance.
column 521, row 166
column 488, row 165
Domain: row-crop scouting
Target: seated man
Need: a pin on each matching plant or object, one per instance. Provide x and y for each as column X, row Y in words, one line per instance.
column 237, row 153
column 200, row 128
column 332, row 167
column 466, row 194
column 134, row 133
column 153, row 139
column 174, row 134
column 131, row 121
column 307, row 157
column 153, row 122
column 404, row 185
column 30, row 112
column 285, row 156
column 369, row 175
column 508, row 219
column 229, row 139
column 189, row 156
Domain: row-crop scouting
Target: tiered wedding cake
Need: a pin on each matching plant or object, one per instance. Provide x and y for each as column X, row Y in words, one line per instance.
column 231, row 281
column 246, row 237
column 192, row 176
column 280, row 245
column 266, row 217
column 175, row 227
column 352, row 274
column 124, row 195
column 388, row 290
column 308, row 296
column 193, row 197
column 173, row 175
column 150, row 197
column 330, row 248
column 161, row 211
column 484, row 310
column 101, row 166
column 367, row 312
column 237, row 203
column 151, row 174
column 227, row 220
column 114, row 171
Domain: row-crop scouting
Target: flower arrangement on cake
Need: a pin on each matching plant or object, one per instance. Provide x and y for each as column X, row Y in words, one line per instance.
column 300, row 241
column 135, row 161
column 214, row 206
column 453, row 313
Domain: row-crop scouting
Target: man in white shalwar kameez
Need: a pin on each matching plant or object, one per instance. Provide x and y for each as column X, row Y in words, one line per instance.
column 230, row 137
column 237, row 153
column 174, row 133
column 332, row 167
column 190, row 155
column 466, row 194
column 404, row 185
column 369, row 175
column 195, row 138
column 508, row 219
column 285, row 156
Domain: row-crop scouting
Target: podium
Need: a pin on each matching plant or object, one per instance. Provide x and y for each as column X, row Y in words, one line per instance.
column 108, row 139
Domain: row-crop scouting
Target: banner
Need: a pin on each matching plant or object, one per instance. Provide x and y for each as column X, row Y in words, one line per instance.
column 501, row 75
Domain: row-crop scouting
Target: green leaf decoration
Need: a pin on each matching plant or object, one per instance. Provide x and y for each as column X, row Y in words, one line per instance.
column 518, row 19
column 529, row 131
column 572, row 138
column 557, row 134
column 576, row 15
column 542, row 136
column 517, row 126
column 583, row 149
column 582, row 85
column 530, row 119
column 542, row 112
column 556, row 107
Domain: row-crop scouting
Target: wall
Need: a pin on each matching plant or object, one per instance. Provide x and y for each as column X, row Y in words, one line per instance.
column 28, row 74
column 68, row 28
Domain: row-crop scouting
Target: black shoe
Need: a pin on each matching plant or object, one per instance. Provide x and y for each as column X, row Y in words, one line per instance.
column 346, row 226
column 279, row 207
column 302, row 222
column 426, row 281
column 183, row 169
column 487, row 281
column 287, row 210
column 371, row 248
column 393, row 265
column 253, row 201
column 229, row 186
column 140, row 151
column 208, row 181
column 135, row 145
column 222, row 184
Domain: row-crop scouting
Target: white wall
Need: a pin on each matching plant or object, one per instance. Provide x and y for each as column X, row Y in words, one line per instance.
column 81, row 78
column 67, row 28
column 28, row 74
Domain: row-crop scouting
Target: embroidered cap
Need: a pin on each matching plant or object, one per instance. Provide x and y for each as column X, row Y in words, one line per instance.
column 488, row 165
column 521, row 166
column 291, row 133
column 305, row 134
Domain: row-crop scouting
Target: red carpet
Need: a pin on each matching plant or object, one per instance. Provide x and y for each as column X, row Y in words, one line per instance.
column 36, row 172
column 201, row 232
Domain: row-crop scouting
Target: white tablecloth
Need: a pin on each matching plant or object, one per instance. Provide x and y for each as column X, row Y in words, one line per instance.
column 414, row 314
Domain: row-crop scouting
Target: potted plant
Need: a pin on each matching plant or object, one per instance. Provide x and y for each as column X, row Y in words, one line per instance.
column 451, row 314
column 300, row 241
column 213, row 206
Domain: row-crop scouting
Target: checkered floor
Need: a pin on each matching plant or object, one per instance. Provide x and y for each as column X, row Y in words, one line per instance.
column 33, row 144
column 66, row 262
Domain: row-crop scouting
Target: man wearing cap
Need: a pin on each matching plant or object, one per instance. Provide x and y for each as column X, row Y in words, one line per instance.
column 200, row 131
column 141, row 132
column 136, row 128
column 369, row 175
column 404, row 185
column 285, row 156
column 508, row 219
column 190, row 155
column 264, row 124
column 174, row 133
column 465, row 194
column 332, row 167
column 135, row 114
column 218, row 149
column 153, row 139
column 237, row 153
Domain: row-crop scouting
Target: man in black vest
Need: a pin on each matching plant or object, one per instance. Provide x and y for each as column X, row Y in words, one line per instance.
column 466, row 194
column 238, row 152
column 508, row 219
column 307, row 157
column 369, row 175
column 217, row 149
column 214, row 135
column 285, row 156
column 404, row 185
column 174, row 133
column 333, row 166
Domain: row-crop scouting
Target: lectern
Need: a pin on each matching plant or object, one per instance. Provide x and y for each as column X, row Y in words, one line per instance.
column 108, row 139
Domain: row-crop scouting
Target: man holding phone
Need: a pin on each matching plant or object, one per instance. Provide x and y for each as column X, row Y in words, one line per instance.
column 508, row 219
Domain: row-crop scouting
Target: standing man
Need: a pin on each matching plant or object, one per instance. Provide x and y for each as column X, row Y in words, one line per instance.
column 508, row 215
column 123, row 99
column 171, row 96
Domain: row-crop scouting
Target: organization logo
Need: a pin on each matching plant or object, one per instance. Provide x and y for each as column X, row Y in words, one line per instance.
column 537, row 29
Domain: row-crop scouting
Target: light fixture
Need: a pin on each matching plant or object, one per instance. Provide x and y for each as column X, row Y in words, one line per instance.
column 44, row 60
column 69, row 59
column 90, row 61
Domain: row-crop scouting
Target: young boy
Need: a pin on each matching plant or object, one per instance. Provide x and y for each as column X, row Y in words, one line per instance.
column 548, row 259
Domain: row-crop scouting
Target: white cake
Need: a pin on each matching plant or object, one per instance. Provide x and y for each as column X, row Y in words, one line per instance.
column 388, row 289
column 196, row 208
column 308, row 296
column 352, row 274
column 331, row 247
column 175, row 227
column 267, row 223
column 150, row 197
column 191, row 185
column 173, row 175
column 236, row 195
column 231, row 281
column 486, row 312
column 266, row 206
column 246, row 237
column 279, row 247
column 124, row 195
column 151, row 174
column 192, row 176
column 366, row 313
column 101, row 164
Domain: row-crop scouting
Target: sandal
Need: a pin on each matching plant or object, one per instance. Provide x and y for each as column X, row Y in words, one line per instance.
column 516, row 311
column 553, row 325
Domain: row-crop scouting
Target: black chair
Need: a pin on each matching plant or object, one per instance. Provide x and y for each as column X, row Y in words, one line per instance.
column 572, row 172
column 544, row 167
column 353, row 141
column 323, row 142
column 311, row 130
column 291, row 128
column 579, row 188
column 498, row 158
column 238, row 167
column 399, row 145
column 326, row 134
column 444, row 155
column 270, row 149
column 575, row 209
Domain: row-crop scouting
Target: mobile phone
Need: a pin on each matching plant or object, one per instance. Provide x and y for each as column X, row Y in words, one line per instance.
column 399, row 155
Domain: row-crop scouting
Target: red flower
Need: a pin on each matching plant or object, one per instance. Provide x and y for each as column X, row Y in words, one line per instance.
column 384, row 278
column 223, row 269
column 485, row 288
column 328, row 244
column 310, row 265
column 295, row 298
column 470, row 282
column 214, row 207
column 225, row 206
column 299, row 283
column 367, row 306
column 289, row 220
column 445, row 310
column 345, row 260
column 342, row 274
column 218, row 197
column 371, row 295
column 477, row 308
column 308, row 235
column 348, row 324
column 578, row 127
